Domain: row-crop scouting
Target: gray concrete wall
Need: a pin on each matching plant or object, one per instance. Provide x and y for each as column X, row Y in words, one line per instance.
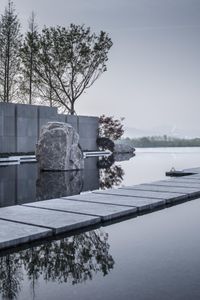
column 20, row 126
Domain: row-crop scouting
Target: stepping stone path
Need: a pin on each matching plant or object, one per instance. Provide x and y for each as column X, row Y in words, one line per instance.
column 37, row 220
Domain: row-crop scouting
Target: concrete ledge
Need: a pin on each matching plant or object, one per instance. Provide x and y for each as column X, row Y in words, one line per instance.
column 191, row 192
column 140, row 204
column 105, row 212
column 57, row 221
column 168, row 197
column 14, row 234
column 177, row 183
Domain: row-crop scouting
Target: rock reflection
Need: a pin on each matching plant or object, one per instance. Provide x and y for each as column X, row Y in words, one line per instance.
column 24, row 183
column 58, row 184
column 73, row 259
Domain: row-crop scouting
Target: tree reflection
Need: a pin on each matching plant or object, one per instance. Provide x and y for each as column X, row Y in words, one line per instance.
column 10, row 276
column 110, row 174
column 110, row 177
column 74, row 259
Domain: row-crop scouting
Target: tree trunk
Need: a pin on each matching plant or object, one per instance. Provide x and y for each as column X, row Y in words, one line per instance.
column 5, row 81
column 8, row 69
column 72, row 111
column 50, row 97
column 31, row 78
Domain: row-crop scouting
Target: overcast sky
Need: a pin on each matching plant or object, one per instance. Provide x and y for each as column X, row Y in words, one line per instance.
column 153, row 76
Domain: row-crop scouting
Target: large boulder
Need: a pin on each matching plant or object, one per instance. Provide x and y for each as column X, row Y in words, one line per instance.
column 58, row 148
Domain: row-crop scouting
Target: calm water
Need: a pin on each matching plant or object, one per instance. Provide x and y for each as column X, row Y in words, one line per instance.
column 152, row 163
column 154, row 256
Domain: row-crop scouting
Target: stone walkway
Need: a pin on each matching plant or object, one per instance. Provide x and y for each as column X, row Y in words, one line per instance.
column 33, row 221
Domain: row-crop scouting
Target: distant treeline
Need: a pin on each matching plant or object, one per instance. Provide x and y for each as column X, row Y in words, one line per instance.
column 161, row 141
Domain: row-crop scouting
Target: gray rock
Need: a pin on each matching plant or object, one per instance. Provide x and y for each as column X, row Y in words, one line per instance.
column 58, row 148
column 123, row 148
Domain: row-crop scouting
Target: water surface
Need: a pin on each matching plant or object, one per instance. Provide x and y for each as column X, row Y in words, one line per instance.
column 153, row 256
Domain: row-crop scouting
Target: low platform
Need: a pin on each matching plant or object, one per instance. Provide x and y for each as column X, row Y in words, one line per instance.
column 140, row 204
column 130, row 192
column 83, row 209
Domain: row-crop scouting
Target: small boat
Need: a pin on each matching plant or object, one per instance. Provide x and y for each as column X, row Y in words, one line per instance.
column 175, row 173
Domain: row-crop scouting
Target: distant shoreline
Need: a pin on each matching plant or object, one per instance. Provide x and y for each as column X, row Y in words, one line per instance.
column 160, row 142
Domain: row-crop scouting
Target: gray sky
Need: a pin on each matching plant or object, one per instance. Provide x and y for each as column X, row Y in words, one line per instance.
column 153, row 76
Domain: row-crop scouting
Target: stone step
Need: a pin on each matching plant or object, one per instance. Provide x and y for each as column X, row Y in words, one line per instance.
column 58, row 222
column 140, row 203
column 13, row 234
column 106, row 212
column 191, row 192
column 169, row 197
column 177, row 183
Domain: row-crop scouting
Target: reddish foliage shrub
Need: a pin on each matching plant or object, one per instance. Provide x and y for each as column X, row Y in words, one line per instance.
column 110, row 128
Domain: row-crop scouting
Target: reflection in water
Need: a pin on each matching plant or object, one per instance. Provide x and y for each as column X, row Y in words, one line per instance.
column 51, row 185
column 110, row 174
column 23, row 183
column 106, row 162
column 123, row 156
column 110, row 177
column 11, row 275
column 74, row 260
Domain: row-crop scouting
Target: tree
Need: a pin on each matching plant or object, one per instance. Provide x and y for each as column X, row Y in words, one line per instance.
column 10, row 39
column 70, row 61
column 110, row 128
column 28, row 54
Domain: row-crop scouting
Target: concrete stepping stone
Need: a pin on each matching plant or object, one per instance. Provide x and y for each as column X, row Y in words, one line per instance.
column 57, row 221
column 169, row 197
column 177, row 183
column 166, row 189
column 140, row 203
column 105, row 211
column 14, row 234
column 189, row 180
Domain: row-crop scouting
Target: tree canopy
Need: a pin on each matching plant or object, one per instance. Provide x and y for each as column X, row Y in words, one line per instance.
column 110, row 128
column 70, row 61
column 10, row 40
column 55, row 65
column 28, row 53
